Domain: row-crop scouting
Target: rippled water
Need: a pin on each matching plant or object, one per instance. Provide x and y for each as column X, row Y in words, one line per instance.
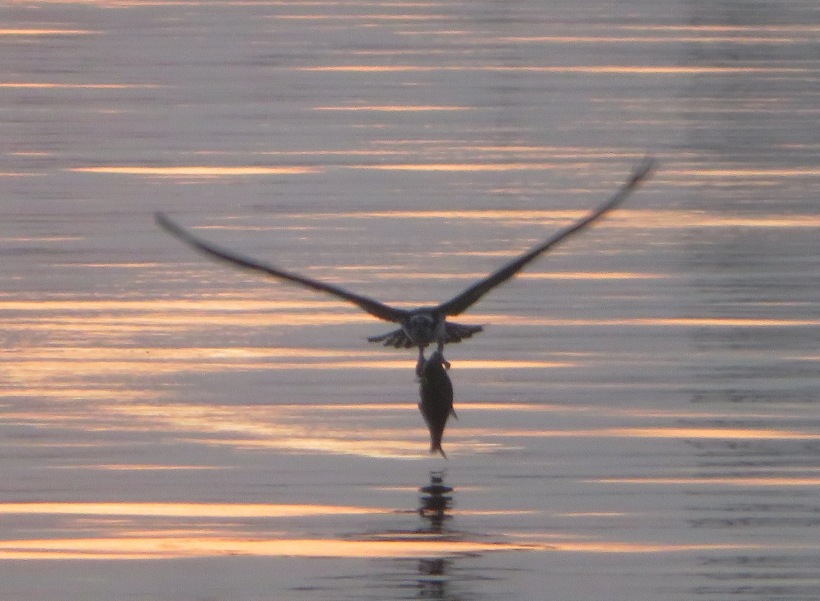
column 638, row 421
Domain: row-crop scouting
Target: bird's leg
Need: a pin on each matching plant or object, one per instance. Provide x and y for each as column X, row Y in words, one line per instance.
column 444, row 361
column 420, row 363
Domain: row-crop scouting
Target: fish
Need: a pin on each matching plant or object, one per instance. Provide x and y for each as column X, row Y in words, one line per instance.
column 436, row 392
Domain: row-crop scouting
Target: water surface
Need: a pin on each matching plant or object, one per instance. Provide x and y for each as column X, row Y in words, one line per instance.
column 639, row 419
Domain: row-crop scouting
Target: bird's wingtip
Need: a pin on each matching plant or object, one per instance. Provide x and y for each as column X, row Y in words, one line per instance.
column 161, row 218
column 166, row 223
column 645, row 168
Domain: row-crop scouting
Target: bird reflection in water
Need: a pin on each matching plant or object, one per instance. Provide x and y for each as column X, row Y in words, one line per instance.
column 435, row 503
column 436, row 392
column 433, row 578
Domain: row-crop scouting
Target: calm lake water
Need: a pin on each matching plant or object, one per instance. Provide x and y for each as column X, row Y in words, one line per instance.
column 640, row 419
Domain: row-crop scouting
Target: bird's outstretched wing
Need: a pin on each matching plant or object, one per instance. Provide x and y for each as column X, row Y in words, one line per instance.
column 463, row 301
column 369, row 305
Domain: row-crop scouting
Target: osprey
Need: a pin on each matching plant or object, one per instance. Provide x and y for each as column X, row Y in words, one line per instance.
column 425, row 325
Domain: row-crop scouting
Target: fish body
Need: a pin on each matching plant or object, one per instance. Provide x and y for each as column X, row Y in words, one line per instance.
column 436, row 392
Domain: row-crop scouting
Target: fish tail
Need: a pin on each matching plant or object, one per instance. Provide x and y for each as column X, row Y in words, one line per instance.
column 436, row 447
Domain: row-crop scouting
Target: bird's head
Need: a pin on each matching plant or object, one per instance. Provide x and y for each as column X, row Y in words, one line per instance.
column 422, row 326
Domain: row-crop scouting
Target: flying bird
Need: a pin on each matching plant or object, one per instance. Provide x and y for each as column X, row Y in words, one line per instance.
column 436, row 392
column 425, row 325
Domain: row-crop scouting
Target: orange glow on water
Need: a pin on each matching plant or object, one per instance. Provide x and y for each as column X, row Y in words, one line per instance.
column 808, row 28
column 365, row 17
column 746, row 173
column 397, row 108
column 717, row 480
column 624, row 218
column 127, row 467
column 181, row 305
column 657, row 39
column 204, row 546
column 566, row 69
column 267, row 427
column 456, row 167
column 55, row 364
column 666, row 432
column 637, row 547
column 72, row 86
column 41, row 387
column 695, row 34
column 700, row 322
column 37, row 32
column 187, row 510
column 198, row 170
column 594, row 275
column 545, row 275
column 298, row 312
column 218, row 530
column 181, row 543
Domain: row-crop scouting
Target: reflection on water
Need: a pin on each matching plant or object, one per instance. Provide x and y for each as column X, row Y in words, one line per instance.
column 753, row 127
column 435, row 505
column 433, row 579
column 436, row 502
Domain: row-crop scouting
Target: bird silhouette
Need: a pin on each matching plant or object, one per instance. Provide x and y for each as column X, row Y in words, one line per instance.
column 422, row 326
